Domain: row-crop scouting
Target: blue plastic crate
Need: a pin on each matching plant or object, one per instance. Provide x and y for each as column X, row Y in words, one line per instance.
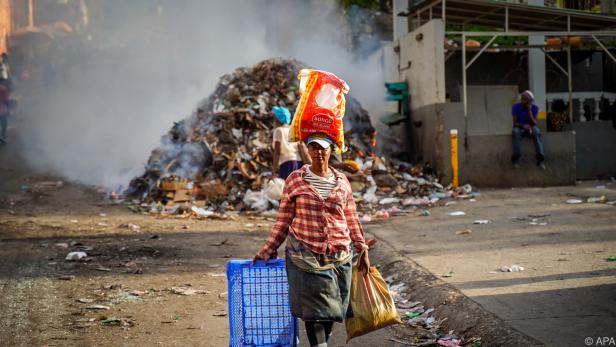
column 259, row 311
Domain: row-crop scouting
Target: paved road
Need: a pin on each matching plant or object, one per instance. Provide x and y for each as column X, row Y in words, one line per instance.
column 567, row 291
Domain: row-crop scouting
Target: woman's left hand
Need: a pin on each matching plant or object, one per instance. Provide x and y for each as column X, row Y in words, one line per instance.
column 363, row 263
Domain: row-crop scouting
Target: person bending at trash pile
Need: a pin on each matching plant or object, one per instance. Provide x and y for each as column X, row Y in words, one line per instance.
column 318, row 219
column 524, row 115
column 288, row 156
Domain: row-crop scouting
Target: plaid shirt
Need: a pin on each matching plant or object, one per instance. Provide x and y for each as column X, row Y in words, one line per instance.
column 323, row 226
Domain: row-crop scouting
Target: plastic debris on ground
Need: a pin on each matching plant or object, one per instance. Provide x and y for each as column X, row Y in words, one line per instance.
column 218, row 159
column 427, row 328
column 482, row 221
column 597, row 199
column 75, row 256
column 457, row 213
column 512, row 268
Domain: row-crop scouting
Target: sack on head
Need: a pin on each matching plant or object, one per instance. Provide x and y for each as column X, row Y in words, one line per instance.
column 321, row 107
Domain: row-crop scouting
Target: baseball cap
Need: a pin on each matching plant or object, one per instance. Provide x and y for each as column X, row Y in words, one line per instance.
column 323, row 141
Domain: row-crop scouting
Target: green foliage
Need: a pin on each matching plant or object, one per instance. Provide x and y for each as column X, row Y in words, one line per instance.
column 369, row 4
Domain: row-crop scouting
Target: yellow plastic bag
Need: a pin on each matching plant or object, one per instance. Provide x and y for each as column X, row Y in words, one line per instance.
column 372, row 304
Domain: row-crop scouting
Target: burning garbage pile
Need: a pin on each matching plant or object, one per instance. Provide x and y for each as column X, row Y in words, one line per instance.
column 220, row 158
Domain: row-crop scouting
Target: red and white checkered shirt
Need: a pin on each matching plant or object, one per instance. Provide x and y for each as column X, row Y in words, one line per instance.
column 323, row 226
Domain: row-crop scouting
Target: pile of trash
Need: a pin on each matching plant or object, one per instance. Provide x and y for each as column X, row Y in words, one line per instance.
column 219, row 159
column 427, row 329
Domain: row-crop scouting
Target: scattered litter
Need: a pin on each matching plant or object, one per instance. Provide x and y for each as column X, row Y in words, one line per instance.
column 138, row 292
column 102, row 268
column 457, row 213
column 223, row 242
column 102, row 214
column 257, row 200
column 574, row 201
column 418, row 201
column 201, row 212
column 63, row 245
column 464, row 232
column 98, row 307
column 131, row 226
column 482, row 221
column 220, row 314
column 273, row 188
column 187, row 291
column 384, row 214
column 387, row 201
column 112, row 320
column 512, row 268
column 597, row 199
column 612, row 258
column 72, row 256
column 449, row 342
column 425, row 213
column 123, row 322
column 449, row 274
column 412, row 314
column 536, row 216
column 538, row 223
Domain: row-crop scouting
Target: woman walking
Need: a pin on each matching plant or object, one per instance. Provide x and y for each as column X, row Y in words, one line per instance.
column 318, row 220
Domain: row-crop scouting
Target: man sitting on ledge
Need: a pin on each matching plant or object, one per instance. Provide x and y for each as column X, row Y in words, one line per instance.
column 524, row 115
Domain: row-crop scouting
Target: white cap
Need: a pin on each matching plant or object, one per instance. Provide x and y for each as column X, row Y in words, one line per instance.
column 322, row 141
column 529, row 94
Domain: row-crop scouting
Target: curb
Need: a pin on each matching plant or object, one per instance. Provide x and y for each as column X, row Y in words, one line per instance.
column 466, row 317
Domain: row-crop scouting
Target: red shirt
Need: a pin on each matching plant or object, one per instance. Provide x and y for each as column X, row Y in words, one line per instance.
column 323, row 226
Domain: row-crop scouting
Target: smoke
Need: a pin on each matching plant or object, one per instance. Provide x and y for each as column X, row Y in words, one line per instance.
column 149, row 63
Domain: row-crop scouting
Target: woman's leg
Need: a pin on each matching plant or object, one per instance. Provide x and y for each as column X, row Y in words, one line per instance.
column 329, row 325
column 317, row 333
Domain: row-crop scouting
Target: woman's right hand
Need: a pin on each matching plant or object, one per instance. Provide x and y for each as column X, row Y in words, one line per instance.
column 257, row 257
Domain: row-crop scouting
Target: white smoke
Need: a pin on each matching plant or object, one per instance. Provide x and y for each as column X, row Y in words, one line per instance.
column 153, row 61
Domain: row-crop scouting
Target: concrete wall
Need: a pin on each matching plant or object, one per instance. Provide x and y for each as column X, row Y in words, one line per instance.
column 487, row 162
column 391, row 140
column 489, row 109
column 422, row 63
column 595, row 145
